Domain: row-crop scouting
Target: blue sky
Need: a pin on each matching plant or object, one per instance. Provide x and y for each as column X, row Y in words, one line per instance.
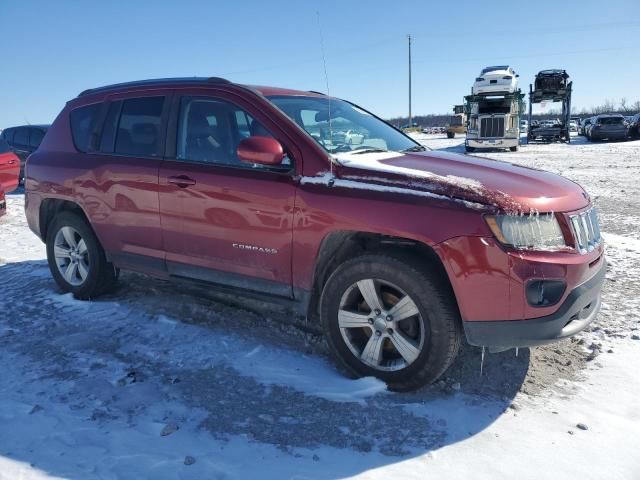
column 54, row 50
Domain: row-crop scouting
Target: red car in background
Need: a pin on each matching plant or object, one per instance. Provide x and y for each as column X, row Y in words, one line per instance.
column 9, row 168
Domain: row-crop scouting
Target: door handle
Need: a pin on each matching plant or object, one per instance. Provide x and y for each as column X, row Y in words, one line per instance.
column 181, row 181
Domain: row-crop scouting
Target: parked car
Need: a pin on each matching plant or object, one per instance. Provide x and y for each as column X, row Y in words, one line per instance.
column 553, row 81
column 634, row 126
column 240, row 188
column 582, row 129
column 493, row 80
column 589, row 124
column 24, row 140
column 573, row 126
column 608, row 127
column 524, row 126
column 9, row 168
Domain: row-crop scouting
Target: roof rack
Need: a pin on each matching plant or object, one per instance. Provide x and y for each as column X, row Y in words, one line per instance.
column 155, row 81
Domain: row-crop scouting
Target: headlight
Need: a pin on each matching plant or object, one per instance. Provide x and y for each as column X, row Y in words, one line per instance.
column 536, row 232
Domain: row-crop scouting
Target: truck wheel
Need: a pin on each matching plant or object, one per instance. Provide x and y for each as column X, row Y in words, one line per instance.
column 469, row 149
column 382, row 317
column 451, row 134
column 514, row 149
column 76, row 258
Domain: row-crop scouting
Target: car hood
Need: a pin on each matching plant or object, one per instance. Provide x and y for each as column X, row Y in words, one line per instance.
column 511, row 188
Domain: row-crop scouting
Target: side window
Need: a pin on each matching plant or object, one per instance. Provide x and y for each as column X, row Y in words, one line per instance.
column 139, row 127
column 83, row 121
column 36, row 137
column 210, row 130
column 8, row 134
column 4, row 146
column 110, row 127
column 21, row 137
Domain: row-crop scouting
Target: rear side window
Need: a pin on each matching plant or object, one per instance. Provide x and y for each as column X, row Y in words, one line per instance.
column 8, row 134
column 21, row 137
column 4, row 146
column 139, row 127
column 110, row 127
column 83, row 121
column 36, row 137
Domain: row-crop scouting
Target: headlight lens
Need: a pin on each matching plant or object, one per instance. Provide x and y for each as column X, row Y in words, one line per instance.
column 535, row 232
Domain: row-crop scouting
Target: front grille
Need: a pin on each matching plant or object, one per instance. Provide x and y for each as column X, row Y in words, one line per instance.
column 492, row 127
column 586, row 230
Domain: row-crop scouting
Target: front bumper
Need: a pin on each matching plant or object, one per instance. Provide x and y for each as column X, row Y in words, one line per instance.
column 493, row 142
column 578, row 310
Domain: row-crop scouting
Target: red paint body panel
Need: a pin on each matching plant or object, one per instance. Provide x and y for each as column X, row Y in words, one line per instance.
column 219, row 213
column 9, row 171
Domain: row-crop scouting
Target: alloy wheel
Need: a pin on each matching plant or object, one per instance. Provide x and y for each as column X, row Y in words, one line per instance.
column 381, row 324
column 71, row 256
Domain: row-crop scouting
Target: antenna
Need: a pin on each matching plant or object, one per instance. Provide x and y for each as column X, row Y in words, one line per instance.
column 326, row 79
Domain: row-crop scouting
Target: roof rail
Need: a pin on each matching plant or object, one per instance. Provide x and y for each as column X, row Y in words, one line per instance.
column 155, row 81
column 319, row 93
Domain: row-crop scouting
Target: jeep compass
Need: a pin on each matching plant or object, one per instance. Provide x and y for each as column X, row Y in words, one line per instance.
column 296, row 197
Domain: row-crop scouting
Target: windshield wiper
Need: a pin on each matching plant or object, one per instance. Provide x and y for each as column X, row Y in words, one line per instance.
column 368, row 150
column 417, row 148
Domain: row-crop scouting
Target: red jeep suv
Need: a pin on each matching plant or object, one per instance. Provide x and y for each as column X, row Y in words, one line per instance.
column 308, row 200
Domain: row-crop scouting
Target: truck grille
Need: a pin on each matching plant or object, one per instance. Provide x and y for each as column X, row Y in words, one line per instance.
column 492, row 127
column 586, row 230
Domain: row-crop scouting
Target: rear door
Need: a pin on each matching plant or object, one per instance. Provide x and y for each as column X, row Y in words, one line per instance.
column 9, row 167
column 225, row 221
column 121, row 190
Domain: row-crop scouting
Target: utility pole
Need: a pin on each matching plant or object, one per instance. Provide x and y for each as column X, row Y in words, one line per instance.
column 410, row 120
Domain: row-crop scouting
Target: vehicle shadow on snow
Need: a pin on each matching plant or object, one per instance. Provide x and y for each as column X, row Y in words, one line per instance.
column 152, row 354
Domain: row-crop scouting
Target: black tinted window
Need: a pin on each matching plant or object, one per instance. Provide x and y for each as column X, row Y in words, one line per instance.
column 210, row 130
column 21, row 136
column 83, row 121
column 110, row 128
column 4, row 146
column 36, row 137
column 8, row 134
column 139, row 127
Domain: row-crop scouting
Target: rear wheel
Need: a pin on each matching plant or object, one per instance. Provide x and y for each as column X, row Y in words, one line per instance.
column 76, row 258
column 469, row 149
column 451, row 134
column 514, row 149
column 382, row 317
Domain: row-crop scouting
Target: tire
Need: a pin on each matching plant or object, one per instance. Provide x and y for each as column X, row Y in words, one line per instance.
column 100, row 276
column 451, row 134
column 513, row 149
column 469, row 149
column 430, row 337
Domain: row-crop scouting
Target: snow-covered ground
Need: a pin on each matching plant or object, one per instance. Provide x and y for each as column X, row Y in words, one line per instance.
column 153, row 382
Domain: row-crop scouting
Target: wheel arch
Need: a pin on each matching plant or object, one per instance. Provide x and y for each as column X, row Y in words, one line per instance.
column 337, row 247
column 50, row 207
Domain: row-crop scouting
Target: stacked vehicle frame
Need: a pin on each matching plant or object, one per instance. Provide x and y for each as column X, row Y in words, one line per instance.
column 551, row 86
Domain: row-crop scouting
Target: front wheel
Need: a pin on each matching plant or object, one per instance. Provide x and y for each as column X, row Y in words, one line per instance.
column 469, row 149
column 514, row 149
column 451, row 134
column 384, row 318
column 76, row 258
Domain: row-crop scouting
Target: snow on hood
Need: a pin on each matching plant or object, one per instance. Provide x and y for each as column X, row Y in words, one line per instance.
column 512, row 188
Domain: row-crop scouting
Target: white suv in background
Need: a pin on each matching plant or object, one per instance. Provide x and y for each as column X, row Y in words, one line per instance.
column 494, row 80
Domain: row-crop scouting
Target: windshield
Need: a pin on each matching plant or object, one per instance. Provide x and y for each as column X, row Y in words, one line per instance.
column 351, row 127
column 493, row 69
column 611, row 121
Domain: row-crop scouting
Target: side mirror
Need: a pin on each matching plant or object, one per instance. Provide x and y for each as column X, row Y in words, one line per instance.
column 260, row 150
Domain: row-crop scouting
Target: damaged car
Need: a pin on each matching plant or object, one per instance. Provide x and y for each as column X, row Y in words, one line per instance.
column 396, row 253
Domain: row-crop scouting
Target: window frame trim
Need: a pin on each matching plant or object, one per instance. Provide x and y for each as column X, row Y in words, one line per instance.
column 171, row 149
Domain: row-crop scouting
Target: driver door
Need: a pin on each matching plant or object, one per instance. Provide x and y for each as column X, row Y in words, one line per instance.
column 224, row 221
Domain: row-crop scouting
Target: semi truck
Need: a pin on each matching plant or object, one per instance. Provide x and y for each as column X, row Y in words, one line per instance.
column 493, row 121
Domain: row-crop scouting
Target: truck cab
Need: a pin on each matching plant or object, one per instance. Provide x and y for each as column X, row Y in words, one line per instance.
column 493, row 121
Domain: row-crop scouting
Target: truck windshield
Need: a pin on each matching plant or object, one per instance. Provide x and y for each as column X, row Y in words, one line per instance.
column 350, row 128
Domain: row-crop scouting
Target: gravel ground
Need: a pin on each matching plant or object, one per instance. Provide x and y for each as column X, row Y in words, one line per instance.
column 235, row 368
